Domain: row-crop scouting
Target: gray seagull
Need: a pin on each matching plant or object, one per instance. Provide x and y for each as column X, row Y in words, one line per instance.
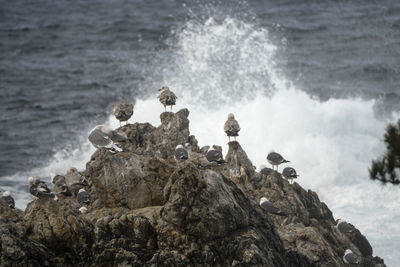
column 231, row 127
column 270, row 207
column 123, row 111
column 39, row 188
column 167, row 97
column 102, row 137
column 343, row 226
column 8, row 199
column 290, row 173
column 351, row 258
column 83, row 197
column 214, row 156
column 180, row 153
column 275, row 159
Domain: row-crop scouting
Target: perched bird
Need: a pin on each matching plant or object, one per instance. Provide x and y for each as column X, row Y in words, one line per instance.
column 270, row 207
column 102, row 137
column 8, row 199
column 289, row 173
column 343, row 226
column 351, row 258
column 180, row 153
column 204, row 149
column 231, row 127
column 60, row 185
column 83, row 197
column 275, row 159
column 215, row 156
column 74, row 177
column 265, row 170
column 83, row 209
column 123, row 111
column 54, row 178
column 39, row 188
column 167, row 97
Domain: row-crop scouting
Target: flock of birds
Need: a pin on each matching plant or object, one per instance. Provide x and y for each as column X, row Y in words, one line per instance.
column 103, row 137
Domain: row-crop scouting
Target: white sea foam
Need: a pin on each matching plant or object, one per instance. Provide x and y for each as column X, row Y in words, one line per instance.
column 216, row 68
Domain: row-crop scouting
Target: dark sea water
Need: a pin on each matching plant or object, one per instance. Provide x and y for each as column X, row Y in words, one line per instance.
column 323, row 75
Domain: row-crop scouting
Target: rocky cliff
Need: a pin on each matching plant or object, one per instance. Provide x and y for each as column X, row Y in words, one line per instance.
column 149, row 210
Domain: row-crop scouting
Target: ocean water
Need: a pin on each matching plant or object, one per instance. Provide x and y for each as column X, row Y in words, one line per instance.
column 317, row 81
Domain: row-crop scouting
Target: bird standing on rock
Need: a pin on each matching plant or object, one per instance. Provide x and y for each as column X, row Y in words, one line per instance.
column 231, row 127
column 214, row 156
column 103, row 137
column 39, row 188
column 180, row 153
column 275, row 159
column 60, row 186
column 123, row 111
column 8, row 199
column 289, row 173
column 167, row 97
column 343, row 226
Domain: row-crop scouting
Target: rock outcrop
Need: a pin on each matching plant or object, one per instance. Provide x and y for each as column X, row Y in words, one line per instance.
column 149, row 210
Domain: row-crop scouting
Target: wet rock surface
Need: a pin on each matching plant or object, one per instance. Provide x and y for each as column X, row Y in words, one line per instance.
column 149, row 210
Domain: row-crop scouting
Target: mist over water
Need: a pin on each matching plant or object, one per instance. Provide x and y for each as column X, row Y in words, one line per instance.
column 221, row 65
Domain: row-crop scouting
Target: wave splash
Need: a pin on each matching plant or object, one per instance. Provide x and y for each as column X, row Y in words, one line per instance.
column 216, row 67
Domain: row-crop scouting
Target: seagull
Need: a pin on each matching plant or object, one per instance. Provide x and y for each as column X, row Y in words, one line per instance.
column 350, row 258
column 270, row 207
column 265, row 170
column 180, row 153
column 204, row 149
column 275, row 159
column 83, row 209
column 289, row 173
column 231, row 127
column 102, row 137
column 54, row 178
column 60, row 186
column 123, row 111
column 83, row 197
column 8, row 199
column 214, row 156
column 343, row 226
column 167, row 97
column 75, row 178
column 39, row 188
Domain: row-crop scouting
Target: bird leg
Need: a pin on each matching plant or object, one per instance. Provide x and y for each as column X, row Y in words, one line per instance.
column 165, row 108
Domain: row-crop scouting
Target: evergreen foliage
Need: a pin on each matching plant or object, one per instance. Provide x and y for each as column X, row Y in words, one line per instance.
column 387, row 168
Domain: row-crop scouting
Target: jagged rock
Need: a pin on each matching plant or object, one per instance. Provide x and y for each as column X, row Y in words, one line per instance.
column 60, row 227
column 18, row 250
column 149, row 210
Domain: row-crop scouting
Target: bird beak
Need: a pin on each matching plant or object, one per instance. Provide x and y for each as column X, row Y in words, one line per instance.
column 159, row 89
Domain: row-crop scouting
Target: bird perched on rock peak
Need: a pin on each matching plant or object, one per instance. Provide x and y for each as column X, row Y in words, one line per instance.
column 231, row 127
column 8, row 199
column 123, row 111
column 167, row 97
column 289, row 173
column 180, row 153
column 275, row 159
